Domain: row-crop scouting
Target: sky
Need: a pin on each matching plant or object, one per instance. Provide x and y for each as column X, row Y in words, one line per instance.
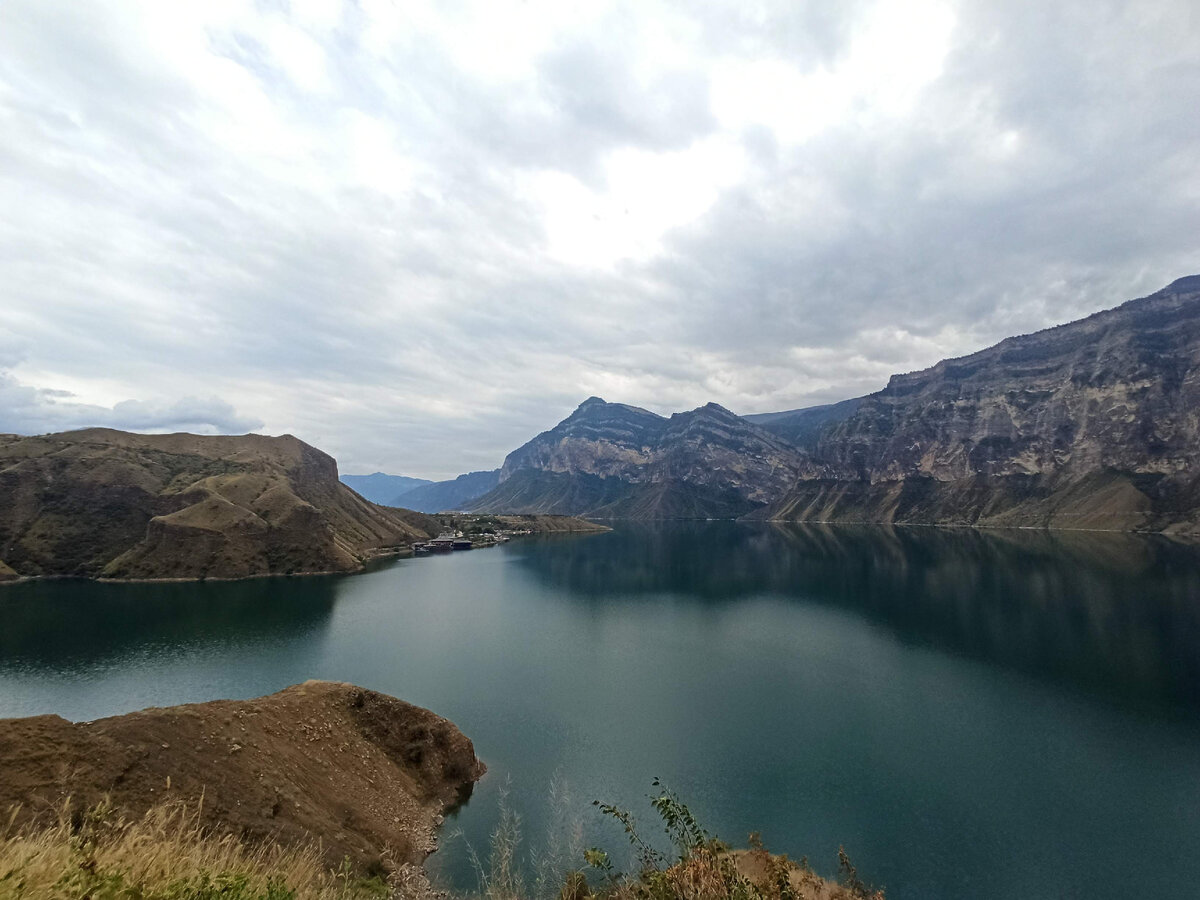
column 417, row 234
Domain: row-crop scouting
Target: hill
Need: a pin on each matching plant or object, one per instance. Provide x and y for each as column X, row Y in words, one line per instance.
column 454, row 494
column 356, row 770
column 382, row 488
column 103, row 503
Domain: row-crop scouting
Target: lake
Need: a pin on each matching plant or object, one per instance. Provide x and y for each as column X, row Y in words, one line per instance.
column 994, row 715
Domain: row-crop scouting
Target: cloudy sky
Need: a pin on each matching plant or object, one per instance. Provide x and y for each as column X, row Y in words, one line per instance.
column 415, row 234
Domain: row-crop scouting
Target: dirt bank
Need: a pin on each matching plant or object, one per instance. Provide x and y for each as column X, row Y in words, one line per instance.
column 367, row 775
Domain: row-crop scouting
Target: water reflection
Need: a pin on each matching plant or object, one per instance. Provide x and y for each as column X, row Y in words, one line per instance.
column 72, row 624
column 1117, row 613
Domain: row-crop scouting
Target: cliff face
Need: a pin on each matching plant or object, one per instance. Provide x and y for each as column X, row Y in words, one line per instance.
column 1094, row 424
column 803, row 427
column 608, row 459
column 103, row 503
column 359, row 771
column 1117, row 390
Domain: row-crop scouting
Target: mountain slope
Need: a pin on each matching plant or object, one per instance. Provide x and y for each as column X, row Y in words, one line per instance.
column 609, row 459
column 356, row 771
column 438, row 496
column 104, row 503
column 379, row 487
column 803, row 427
column 1095, row 424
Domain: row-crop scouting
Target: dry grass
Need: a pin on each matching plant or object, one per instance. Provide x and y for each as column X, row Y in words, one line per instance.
column 167, row 855
column 705, row 869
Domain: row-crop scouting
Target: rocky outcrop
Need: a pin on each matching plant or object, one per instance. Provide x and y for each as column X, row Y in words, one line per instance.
column 608, row 459
column 104, row 503
column 1092, row 424
column 365, row 774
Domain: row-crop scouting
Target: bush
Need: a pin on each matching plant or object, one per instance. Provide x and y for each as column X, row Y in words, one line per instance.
column 704, row 868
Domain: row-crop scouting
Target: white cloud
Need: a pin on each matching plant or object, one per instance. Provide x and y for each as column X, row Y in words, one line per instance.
column 643, row 195
column 417, row 233
column 25, row 409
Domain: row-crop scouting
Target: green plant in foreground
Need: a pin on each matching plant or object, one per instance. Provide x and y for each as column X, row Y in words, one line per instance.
column 705, row 868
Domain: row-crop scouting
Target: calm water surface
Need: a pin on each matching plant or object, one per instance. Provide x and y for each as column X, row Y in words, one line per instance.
column 972, row 714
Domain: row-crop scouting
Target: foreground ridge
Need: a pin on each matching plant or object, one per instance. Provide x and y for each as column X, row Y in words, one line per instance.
column 361, row 773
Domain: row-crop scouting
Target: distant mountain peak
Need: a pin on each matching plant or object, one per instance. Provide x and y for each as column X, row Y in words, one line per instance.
column 707, row 411
column 1186, row 285
column 597, row 407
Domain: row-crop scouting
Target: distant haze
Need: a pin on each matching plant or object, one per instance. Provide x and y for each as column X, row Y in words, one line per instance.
column 416, row 236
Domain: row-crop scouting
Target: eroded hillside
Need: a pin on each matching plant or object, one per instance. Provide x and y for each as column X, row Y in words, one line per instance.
column 104, row 503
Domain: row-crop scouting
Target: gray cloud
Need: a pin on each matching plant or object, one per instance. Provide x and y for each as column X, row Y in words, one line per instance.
column 29, row 410
column 416, row 236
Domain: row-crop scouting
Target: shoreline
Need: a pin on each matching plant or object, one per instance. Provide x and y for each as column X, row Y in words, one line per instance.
column 374, row 556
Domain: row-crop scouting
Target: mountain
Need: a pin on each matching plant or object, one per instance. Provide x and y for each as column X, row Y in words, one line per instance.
column 104, row 503
column 455, row 494
column 381, row 488
column 802, row 427
column 609, row 459
column 1092, row 424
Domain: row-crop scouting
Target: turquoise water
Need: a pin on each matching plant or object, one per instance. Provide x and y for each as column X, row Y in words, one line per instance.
column 972, row 714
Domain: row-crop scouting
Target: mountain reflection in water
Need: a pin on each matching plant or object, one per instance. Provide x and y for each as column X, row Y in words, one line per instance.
column 996, row 715
column 1118, row 613
column 77, row 624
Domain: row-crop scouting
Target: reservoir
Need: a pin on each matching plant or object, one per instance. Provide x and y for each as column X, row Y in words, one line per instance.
column 993, row 715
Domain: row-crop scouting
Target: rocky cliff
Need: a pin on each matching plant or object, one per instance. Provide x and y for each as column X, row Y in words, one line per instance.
column 609, row 459
column 103, row 503
column 1092, row 424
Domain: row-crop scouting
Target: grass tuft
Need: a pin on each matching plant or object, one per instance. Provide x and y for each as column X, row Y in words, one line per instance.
column 94, row 854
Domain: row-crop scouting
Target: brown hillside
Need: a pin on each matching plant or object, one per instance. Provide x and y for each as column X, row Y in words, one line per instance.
column 365, row 774
column 104, row 503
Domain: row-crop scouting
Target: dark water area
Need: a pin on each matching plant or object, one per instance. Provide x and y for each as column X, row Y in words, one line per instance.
column 972, row 714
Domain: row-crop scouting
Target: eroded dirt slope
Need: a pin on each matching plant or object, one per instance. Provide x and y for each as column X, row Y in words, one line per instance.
column 365, row 774
column 104, row 503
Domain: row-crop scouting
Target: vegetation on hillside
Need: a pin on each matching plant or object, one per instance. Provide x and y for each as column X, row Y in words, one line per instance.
column 696, row 866
column 168, row 855
column 96, row 854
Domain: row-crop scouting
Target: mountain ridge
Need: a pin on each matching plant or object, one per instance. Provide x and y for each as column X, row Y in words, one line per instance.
column 1093, row 423
column 449, row 495
column 101, row 503
column 380, row 487
column 611, row 459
